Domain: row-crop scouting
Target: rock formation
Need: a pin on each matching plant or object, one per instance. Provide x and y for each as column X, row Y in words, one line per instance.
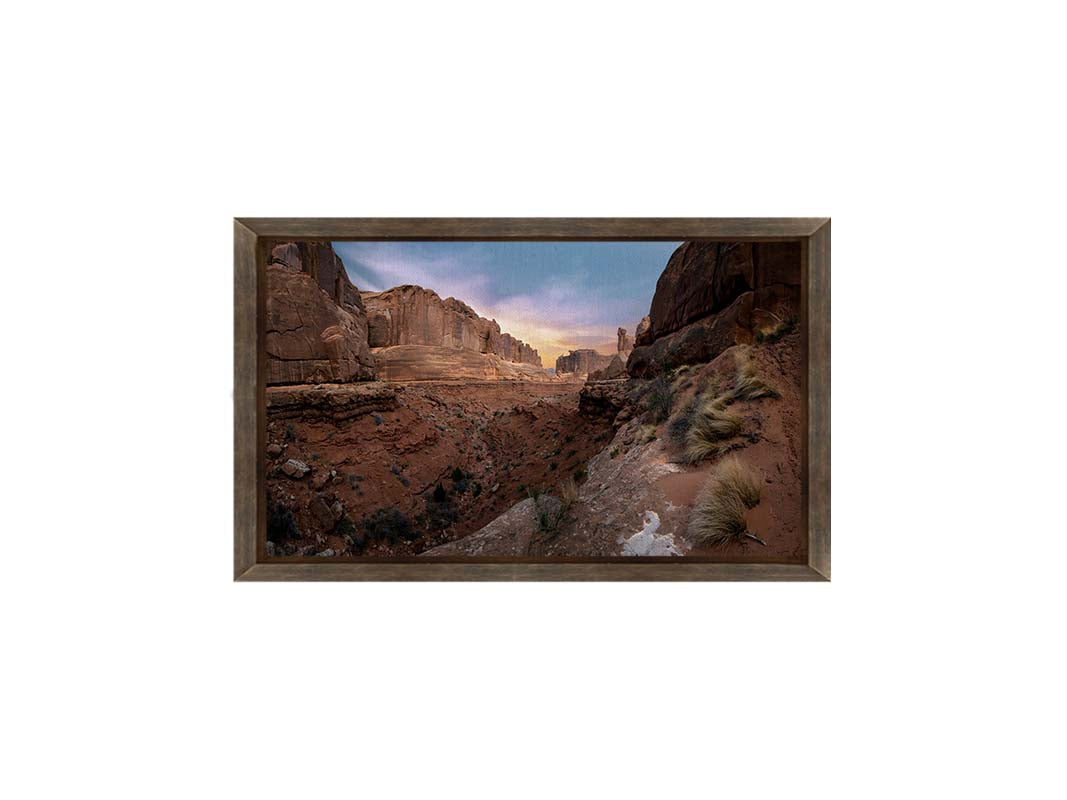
column 641, row 335
column 415, row 335
column 711, row 296
column 625, row 343
column 581, row 362
column 408, row 362
column 616, row 369
column 316, row 323
column 411, row 315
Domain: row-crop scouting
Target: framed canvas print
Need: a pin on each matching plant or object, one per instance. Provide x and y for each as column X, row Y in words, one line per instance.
column 532, row 399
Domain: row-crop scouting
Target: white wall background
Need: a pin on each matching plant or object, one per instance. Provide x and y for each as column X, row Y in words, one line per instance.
column 931, row 667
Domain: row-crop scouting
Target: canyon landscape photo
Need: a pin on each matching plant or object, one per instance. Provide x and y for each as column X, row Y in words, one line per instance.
column 534, row 400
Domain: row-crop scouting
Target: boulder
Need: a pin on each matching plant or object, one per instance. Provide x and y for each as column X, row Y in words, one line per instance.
column 321, row 513
column 295, row 469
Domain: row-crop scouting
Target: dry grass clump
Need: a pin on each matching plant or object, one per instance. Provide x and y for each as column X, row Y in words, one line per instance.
column 646, row 434
column 784, row 323
column 718, row 516
column 551, row 511
column 748, row 385
column 709, row 431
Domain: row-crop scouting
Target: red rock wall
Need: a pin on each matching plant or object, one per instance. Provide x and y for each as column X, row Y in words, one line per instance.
column 412, row 315
column 316, row 324
column 711, row 296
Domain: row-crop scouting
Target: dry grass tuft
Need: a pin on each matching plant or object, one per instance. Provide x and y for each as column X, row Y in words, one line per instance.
column 709, row 431
column 718, row 516
column 747, row 385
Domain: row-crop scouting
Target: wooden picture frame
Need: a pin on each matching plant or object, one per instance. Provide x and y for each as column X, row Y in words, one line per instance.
column 252, row 238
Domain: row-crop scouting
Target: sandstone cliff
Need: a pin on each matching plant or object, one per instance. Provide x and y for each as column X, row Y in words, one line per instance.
column 316, row 324
column 417, row 335
column 413, row 315
column 582, row 362
column 711, row 296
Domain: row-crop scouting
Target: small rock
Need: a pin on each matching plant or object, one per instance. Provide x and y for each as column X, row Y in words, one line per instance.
column 274, row 449
column 327, row 553
column 495, row 487
column 320, row 480
column 322, row 513
column 295, row 469
column 338, row 510
column 271, row 549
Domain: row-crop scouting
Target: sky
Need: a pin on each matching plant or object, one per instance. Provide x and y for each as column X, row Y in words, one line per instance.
column 555, row 296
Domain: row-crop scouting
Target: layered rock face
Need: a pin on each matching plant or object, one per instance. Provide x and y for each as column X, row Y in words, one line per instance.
column 408, row 362
column 711, row 296
column 316, row 324
column 582, row 362
column 418, row 336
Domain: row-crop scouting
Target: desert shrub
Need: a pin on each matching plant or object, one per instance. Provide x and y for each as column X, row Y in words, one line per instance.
column 290, row 432
column 680, row 422
column 552, row 510
column 646, row 434
column 614, row 452
column 659, row 398
column 476, row 488
column 458, row 475
column 281, row 524
column 552, row 466
column 440, row 515
column 708, row 432
column 718, row 515
column 580, row 473
column 389, row 525
column 440, row 495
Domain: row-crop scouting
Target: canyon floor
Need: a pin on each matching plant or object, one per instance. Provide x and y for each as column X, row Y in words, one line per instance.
column 425, row 462
column 532, row 469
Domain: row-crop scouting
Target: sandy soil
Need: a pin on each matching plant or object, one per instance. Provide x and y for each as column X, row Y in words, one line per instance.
column 509, row 437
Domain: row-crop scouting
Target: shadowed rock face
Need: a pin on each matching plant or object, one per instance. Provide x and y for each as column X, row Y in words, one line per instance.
column 316, row 324
column 711, row 296
column 411, row 315
column 582, row 361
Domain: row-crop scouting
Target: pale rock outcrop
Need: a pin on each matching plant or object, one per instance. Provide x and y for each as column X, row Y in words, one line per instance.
column 428, row 363
column 626, row 344
column 615, row 369
column 582, row 362
column 412, row 315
